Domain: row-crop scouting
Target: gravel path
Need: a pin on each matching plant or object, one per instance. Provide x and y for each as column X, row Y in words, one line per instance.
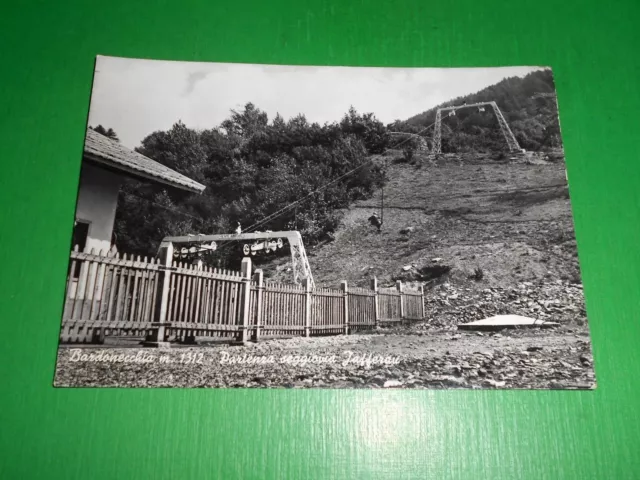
column 406, row 358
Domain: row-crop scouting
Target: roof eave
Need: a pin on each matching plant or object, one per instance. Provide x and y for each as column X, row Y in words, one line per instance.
column 141, row 174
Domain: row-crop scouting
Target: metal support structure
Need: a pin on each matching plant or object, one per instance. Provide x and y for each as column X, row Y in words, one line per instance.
column 506, row 131
column 512, row 143
column 299, row 261
column 437, row 134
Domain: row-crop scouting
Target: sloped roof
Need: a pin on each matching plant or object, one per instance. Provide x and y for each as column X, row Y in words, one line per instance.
column 102, row 150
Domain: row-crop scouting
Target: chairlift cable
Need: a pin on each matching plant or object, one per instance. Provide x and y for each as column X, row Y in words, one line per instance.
column 287, row 207
column 297, row 202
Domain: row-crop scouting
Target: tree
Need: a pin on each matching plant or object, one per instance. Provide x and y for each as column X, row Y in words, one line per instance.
column 180, row 149
column 247, row 122
column 110, row 133
column 533, row 121
column 251, row 169
column 366, row 127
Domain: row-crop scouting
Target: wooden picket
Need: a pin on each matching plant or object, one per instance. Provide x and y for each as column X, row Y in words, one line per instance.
column 113, row 294
column 413, row 304
column 283, row 310
column 389, row 304
column 362, row 309
column 327, row 311
column 108, row 295
column 203, row 302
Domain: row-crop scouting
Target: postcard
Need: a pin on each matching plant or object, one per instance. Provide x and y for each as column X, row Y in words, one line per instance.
column 271, row 226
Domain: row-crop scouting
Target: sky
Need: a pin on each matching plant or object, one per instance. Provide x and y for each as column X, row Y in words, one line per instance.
column 137, row 97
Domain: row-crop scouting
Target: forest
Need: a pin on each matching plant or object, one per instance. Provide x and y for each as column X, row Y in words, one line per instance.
column 533, row 121
column 253, row 166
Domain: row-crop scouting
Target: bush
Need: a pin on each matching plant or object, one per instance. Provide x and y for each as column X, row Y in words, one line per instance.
column 477, row 275
column 408, row 153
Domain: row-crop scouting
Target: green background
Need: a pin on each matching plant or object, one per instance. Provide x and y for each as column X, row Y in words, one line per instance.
column 47, row 53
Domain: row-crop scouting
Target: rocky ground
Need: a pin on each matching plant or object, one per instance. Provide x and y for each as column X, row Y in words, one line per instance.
column 419, row 356
column 427, row 354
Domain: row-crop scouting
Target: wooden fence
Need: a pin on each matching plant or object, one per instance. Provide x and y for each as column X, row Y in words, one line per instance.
column 108, row 295
column 162, row 300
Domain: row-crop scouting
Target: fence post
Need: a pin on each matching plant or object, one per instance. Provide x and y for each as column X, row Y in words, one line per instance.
column 399, row 287
column 165, row 260
column 345, row 292
column 246, row 292
column 259, row 279
column 376, row 307
column 307, row 307
column 190, row 335
column 422, row 301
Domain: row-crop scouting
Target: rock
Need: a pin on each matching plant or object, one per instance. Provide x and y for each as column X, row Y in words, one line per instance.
column 585, row 360
column 407, row 230
column 406, row 268
column 494, row 383
column 436, row 260
column 452, row 381
column 534, row 349
column 392, row 384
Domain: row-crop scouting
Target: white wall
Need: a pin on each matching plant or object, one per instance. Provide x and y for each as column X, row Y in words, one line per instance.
column 97, row 202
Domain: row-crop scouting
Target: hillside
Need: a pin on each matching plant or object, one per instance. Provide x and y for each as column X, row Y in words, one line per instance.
column 476, row 224
column 534, row 121
column 511, row 220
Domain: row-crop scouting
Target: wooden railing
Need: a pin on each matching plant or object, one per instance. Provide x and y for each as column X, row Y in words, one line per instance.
column 109, row 294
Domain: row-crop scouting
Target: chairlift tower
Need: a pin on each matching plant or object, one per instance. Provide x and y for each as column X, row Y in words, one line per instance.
column 512, row 143
column 263, row 240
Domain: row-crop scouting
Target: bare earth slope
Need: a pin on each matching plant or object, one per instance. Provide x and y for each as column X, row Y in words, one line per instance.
column 511, row 220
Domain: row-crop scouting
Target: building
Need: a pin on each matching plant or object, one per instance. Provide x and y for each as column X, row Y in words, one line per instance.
column 105, row 164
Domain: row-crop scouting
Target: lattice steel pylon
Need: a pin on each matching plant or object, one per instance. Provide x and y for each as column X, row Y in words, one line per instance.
column 299, row 261
column 512, row 143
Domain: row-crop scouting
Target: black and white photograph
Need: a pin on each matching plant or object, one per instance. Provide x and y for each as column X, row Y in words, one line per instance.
column 273, row 226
